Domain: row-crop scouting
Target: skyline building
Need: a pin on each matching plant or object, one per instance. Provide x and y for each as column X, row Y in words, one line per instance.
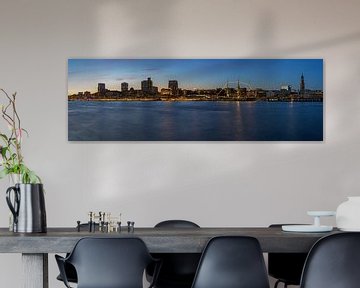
column 146, row 85
column 124, row 87
column 101, row 88
column 173, row 86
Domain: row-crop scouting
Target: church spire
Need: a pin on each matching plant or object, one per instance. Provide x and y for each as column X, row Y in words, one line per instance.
column 302, row 84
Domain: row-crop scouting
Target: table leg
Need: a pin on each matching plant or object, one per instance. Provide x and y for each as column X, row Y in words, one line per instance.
column 35, row 270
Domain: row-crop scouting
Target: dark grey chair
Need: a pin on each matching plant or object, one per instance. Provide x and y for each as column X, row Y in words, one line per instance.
column 333, row 262
column 178, row 269
column 286, row 267
column 176, row 224
column 108, row 263
column 232, row 262
column 70, row 271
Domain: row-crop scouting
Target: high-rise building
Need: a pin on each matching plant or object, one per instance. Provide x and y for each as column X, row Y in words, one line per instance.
column 147, row 85
column 302, row 84
column 174, row 86
column 101, row 88
column 124, row 87
column 285, row 88
column 154, row 90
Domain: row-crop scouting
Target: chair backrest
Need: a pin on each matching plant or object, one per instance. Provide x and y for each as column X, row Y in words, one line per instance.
column 178, row 269
column 176, row 224
column 232, row 262
column 333, row 262
column 110, row 262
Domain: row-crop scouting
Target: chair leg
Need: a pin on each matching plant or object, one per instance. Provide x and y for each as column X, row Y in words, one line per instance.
column 278, row 282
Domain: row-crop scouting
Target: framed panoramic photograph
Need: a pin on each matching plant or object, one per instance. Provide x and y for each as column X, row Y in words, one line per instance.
column 195, row 100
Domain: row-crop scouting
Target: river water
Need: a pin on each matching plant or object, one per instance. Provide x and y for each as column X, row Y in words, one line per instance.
column 194, row 121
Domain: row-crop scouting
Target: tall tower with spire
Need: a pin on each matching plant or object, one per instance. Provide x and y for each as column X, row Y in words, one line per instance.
column 302, row 84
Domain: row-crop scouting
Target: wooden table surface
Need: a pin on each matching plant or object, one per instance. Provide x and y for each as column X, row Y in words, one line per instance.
column 35, row 247
column 158, row 240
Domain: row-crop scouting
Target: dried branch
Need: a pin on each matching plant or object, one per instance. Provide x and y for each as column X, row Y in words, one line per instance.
column 12, row 159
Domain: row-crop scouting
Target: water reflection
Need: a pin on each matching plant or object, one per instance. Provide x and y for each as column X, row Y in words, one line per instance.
column 195, row 121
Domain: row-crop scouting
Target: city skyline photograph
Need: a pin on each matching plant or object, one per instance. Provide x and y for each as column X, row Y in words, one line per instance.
column 195, row 100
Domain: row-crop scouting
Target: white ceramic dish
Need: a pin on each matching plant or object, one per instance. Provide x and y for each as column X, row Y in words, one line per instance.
column 306, row 228
column 321, row 213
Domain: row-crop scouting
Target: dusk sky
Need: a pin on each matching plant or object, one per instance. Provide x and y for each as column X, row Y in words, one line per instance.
column 85, row 74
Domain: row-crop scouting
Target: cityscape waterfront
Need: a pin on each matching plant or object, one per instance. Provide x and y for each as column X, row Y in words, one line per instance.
column 150, row 92
column 195, row 100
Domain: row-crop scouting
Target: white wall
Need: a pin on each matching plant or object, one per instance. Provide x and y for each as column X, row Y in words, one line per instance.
column 214, row 184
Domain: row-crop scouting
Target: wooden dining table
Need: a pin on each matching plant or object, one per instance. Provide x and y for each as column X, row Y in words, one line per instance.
column 35, row 247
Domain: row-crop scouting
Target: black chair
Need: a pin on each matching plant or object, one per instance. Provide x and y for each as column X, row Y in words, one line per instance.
column 108, row 263
column 333, row 262
column 176, row 224
column 286, row 267
column 69, row 269
column 232, row 262
column 178, row 269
